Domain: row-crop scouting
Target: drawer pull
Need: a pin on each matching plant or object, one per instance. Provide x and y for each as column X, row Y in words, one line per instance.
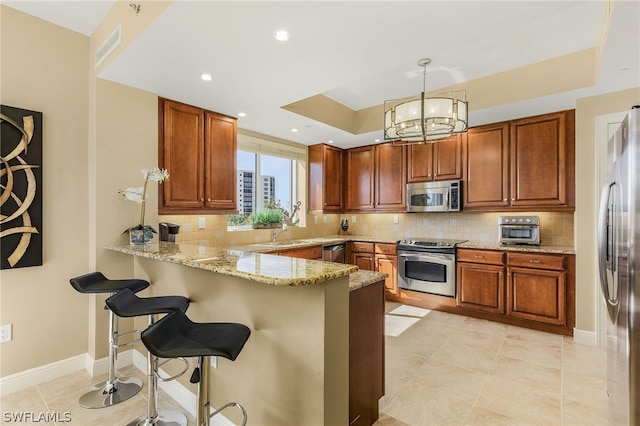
column 534, row 261
column 479, row 256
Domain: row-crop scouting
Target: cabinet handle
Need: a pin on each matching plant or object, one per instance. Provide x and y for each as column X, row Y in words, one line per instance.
column 501, row 273
column 208, row 199
column 201, row 199
column 534, row 261
column 505, row 200
column 513, row 199
column 478, row 256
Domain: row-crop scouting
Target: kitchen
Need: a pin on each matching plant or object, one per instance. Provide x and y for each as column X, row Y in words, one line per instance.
column 99, row 210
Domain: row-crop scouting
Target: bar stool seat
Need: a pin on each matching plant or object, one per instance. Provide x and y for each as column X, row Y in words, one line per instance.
column 115, row 389
column 176, row 335
column 126, row 304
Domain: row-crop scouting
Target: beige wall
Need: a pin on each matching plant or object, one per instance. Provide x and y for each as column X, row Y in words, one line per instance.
column 43, row 68
column 587, row 198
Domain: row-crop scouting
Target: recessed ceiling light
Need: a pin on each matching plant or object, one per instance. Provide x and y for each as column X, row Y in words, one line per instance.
column 242, row 114
column 294, row 130
column 330, row 141
column 282, row 35
column 206, row 77
column 377, row 140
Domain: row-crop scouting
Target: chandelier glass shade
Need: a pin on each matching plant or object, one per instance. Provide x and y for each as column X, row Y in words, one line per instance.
column 422, row 118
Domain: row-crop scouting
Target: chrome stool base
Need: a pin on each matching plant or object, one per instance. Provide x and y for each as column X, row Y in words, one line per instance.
column 107, row 394
column 164, row 418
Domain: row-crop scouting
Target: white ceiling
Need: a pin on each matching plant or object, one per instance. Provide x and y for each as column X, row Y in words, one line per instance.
column 358, row 53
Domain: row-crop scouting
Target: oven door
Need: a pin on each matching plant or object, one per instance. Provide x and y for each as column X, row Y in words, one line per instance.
column 433, row 273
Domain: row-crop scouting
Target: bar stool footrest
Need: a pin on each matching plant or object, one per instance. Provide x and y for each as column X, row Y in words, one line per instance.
column 232, row 404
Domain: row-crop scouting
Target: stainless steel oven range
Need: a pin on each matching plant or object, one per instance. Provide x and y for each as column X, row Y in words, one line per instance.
column 428, row 266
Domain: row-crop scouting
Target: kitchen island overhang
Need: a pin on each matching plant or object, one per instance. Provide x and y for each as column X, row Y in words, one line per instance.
column 295, row 367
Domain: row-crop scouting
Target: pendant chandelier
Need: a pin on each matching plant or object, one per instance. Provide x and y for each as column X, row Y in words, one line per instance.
column 419, row 119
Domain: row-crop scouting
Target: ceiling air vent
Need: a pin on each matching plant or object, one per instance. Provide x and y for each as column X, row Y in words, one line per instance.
column 109, row 45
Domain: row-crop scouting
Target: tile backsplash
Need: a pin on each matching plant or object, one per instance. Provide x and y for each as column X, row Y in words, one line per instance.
column 555, row 227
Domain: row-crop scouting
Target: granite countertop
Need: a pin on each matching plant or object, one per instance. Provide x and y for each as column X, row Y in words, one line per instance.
column 258, row 267
column 542, row 248
column 268, row 247
column 362, row 278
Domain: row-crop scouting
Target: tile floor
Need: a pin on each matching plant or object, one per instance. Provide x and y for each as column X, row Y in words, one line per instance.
column 445, row 369
column 442, row 369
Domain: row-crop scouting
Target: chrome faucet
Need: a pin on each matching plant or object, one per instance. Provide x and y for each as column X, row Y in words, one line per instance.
column 274, row 234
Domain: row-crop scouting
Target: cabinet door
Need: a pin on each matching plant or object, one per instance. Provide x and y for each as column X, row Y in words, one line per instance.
column 181, row 140
column 220, row 159
column 420, row 162
column 447, row 158
column 390, row 185
column 388, row 265
column 360, row 183
column 540, row 160
column 486, row 167
column 325, row 178
column 364, row 261
column 481, row 287
column 536, row 295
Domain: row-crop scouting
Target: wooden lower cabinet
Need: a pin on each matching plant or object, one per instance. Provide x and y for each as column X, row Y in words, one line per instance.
column 535, row 290
column 481, row 287
column 536, row 295
column 366, row 353
column 313, row 253
column 380, row 257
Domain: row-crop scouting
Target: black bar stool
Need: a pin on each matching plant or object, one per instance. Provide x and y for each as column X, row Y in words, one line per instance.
column 176, row 336
column 115, row 389
column 126, row 304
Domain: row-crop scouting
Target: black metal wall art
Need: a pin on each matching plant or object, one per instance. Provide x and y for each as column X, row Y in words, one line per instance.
column 20, row 187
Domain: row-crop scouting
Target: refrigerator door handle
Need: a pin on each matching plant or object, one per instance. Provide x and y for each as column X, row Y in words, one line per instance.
column 607, row 247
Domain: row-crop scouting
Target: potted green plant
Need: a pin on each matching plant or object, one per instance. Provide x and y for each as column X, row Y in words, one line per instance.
column 141, row 233
column 267, row 219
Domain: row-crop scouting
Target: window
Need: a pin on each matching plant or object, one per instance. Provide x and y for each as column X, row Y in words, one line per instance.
column 269, row 173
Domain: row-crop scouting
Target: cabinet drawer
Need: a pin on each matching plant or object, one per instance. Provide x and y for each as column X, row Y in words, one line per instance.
column 536, row 261
column 362, row 247
column 383, row 248
column 490, row 257
column 314, row 252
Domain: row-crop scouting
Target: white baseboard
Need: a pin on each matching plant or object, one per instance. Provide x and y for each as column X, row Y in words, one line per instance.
column 585, row 337
column 45, row 373
column 35, row 376
column 178, row 391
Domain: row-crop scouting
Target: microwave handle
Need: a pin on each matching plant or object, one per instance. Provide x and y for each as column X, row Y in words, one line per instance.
column 446, row 202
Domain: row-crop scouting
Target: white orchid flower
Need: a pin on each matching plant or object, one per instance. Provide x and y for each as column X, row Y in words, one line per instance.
column 156, row 175
column 133, row 194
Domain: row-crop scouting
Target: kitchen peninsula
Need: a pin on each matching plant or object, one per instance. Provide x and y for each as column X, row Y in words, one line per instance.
column 295, row 368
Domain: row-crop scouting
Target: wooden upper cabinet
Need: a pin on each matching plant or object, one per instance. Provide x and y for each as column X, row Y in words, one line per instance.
column 198, row 149
column 360, row 178
column 440, row 160
column 182, row 154
column 220, row 162
column 542, row 159
column 391, row 163
column 521, row 164
column 376, row 178
column 486, row 166
column 326, row 168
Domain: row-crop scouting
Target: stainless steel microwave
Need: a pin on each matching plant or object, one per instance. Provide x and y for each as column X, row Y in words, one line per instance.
column 442, row 196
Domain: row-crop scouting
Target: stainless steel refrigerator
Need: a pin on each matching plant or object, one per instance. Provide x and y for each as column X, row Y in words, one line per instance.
column 619, row 265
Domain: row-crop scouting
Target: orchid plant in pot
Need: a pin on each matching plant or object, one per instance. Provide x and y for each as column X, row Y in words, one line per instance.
column 141, row 233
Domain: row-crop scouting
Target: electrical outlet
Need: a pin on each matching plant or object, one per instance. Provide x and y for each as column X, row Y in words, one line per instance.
column 5, row 333
column 353, row 219
column 214, row 362
column 325, row 220
column 395, row 218
column 315, row 220
column 201, row 223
